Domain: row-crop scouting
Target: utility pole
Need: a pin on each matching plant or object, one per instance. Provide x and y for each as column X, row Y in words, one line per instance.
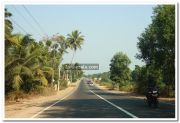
column 59, row 78
column 60, row 60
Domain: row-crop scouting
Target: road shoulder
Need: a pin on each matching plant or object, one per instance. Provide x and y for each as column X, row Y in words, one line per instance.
column 29, row 107
column 169, row 101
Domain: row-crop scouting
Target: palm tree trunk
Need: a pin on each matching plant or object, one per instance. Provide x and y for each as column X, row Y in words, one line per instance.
column 71, row 64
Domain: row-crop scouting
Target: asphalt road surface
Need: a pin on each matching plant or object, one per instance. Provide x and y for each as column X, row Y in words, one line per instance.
column 91, row 102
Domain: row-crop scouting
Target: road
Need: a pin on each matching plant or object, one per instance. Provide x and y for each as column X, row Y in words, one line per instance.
column 91, row 102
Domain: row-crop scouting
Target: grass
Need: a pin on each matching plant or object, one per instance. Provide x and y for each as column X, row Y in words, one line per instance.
column 20, row 95
column 129, row 87
column 37, row 91
column 15, row 96
column 135, row 88
column 107, row 85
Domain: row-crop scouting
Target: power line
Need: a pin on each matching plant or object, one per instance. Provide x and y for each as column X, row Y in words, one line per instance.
column 18, row 25
column 34, row 20
column 18, row 12
column 18, row 29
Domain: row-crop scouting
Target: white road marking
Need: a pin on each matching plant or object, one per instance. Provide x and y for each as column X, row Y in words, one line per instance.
column 51, row 105
column 123, row 110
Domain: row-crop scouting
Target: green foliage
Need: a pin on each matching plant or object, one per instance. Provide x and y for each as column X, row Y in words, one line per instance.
column 107, row 84
column 63, row 84
column 31, row 66
column 157, row 46
column 73, row 69
column 119, row 70
column 146, row 76
column 16, row 82
column 157, row 43
column 75, row 41
column 102, row 77
column 15, row 95
column 105, row 77
column 128, row 87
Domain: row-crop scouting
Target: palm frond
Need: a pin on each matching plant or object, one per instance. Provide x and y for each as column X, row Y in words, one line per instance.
column 16, row 82
column 48, row 70
column 30, row 57
column 26, row 71
column 43, row 81
column 13, row 63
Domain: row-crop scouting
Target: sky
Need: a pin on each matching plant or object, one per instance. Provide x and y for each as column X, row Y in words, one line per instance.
column 108, row 29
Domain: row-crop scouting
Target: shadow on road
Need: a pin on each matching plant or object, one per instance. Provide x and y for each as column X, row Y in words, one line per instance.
column 83, row 108
column 97, row 108
column 108, row 94
column 85, row 104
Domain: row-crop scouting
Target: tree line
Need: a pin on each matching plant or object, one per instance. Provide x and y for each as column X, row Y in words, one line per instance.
column 33, row 66
column 156, row 47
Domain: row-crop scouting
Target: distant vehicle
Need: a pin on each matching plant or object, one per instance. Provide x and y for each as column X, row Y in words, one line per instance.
column 89, row 82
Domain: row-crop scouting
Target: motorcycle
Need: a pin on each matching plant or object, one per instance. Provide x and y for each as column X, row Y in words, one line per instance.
column 152, row 98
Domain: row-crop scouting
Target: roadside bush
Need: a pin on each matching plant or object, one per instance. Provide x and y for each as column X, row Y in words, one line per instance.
column 129, row 87
column 140, row 87
column 42, row 91
column 74, row 80
column 15, row 96
column 109, row 85
column 96, row 81
column 63, row 84
column 48, row 91
column 167, row 92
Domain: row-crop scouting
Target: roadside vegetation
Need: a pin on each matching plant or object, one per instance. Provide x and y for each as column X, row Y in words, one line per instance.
column 157, row 49
column 34, row 67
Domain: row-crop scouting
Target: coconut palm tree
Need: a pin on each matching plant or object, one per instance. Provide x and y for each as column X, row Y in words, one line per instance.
column 25, row 66
column 16, row 67
column 75, row 40
column 10, row 39
column 27, row 62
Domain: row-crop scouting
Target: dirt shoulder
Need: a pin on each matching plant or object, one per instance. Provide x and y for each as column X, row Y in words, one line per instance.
column 165, row 100
column 29, row 107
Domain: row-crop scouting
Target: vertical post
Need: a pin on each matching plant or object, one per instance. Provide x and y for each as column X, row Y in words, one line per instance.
column 52, row 79
column 58, row 79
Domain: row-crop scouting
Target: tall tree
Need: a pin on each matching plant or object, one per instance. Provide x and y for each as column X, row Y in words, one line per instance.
column 119, row 70
column 17, row 67
column 63, row 46
column 8, row 24
column 75, row 40
column 157, row 43
column 31, row 65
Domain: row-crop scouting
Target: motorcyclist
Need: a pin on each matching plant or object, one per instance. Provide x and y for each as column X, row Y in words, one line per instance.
column 152, row 93
column 152, row 96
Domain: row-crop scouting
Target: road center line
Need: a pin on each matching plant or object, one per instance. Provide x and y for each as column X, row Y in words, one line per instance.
column 52, row 104
column 123, row 110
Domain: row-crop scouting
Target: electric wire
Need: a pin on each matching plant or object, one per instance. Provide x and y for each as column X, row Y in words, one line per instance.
column 35, row 20
column 30, row 25
column 18, row 25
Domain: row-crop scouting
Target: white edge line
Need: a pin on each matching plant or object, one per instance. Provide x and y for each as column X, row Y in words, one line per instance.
column 51, row 105
column 128, row 113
